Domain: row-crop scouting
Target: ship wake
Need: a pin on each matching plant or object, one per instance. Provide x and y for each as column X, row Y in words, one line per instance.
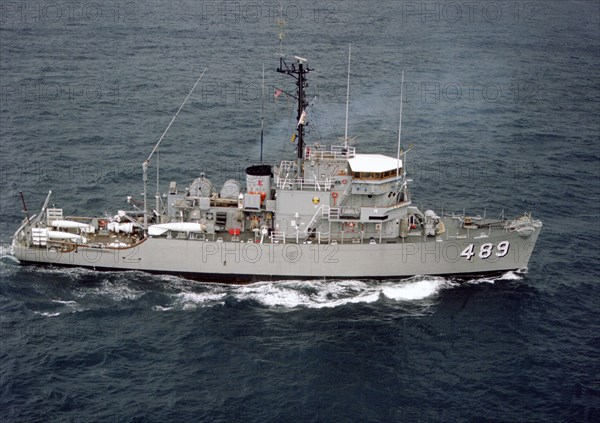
column 75, row 290
column 314, row 294
column 317, row 294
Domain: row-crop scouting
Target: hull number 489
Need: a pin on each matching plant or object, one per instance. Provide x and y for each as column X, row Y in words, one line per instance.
column 486, row 250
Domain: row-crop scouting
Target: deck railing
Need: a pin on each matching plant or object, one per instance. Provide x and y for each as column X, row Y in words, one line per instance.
column 303, row 184
column 334, row 152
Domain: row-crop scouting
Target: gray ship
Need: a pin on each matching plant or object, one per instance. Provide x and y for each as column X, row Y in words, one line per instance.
column 328, row 213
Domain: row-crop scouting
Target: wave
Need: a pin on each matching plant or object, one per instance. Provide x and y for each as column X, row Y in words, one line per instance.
column 190, row 300
column 84, row 289
column 318, row 294
column 47, row 314
column 10, row 258
column 114, row 290
column 507, row 276
column 313, row 294
column 417, row 290
column 7, row 259
column 56, row 308
column 68, row 303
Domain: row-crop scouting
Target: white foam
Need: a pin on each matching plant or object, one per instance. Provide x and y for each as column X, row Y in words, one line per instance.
column 10, row 258
column 270, row 294
column 315, row 294
column 366, row 298
column 116, row 291
column 46, row 314
column 191, row 300
column 309, row 294
column 68, row 303
column 160, row 308
column 74, row 273
column 512, row 276
column 417, row 290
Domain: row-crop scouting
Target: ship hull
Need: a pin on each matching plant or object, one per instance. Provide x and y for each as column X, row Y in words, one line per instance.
column 239, row 262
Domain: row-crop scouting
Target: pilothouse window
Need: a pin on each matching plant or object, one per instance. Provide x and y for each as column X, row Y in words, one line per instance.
column 376, row 175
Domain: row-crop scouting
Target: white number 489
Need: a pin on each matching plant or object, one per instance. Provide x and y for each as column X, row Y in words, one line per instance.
column 485, row 251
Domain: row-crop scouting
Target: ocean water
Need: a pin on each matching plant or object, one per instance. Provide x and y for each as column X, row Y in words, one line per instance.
column 502, row 107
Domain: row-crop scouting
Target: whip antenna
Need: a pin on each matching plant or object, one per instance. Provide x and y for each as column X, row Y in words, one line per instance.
column 347, row 98
column 400, row 128
column 147, row 161
column 262, row 113
column 174, row 117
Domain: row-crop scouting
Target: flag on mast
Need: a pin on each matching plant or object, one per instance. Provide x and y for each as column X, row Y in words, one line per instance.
column 302, row 120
